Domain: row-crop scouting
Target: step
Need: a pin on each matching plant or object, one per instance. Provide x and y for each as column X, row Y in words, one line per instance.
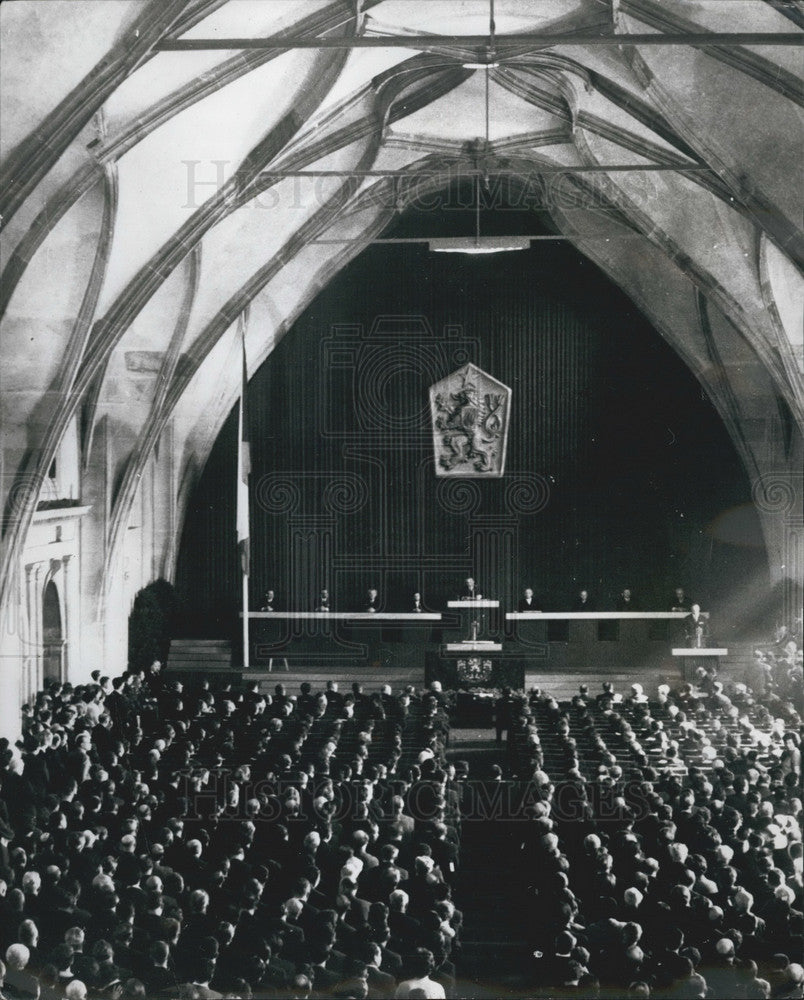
column 200, row 653
column 374, row 682
column 565, row 686
column 371, row 680
column 201, row 644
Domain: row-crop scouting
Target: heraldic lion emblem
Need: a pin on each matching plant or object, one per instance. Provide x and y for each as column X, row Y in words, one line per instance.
column 470, row 423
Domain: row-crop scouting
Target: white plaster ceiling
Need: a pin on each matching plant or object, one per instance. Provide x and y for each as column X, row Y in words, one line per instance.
column 103, row 254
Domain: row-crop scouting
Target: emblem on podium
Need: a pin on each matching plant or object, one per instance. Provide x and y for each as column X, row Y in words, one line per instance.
column 470, row 412
column 474, row 670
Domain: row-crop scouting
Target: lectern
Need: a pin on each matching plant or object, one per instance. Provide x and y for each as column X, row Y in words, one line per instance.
column 695, row 656
column 475, row 612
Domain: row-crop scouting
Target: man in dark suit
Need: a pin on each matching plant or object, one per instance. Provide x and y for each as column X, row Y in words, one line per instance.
column 268, row 601
column 287, row 925
column 323, row 601
column 380, row 984
column 444, row 851
column 696, row 627
column 528, row 602
column 398, row 827
column 391, row 960
column 559, row 968
column 324, row 979
column 583, row 602
column 679, row 601
column 351, row 909
column 470, row 590
column 626, row 601
column 200, row 983
column 372, row 881
column 405, row 930
column 417, row 603
column 19, row 984
column 372, row 602
column 118, row 704
column 502, row 713
column 157, row 974
column 334, row 697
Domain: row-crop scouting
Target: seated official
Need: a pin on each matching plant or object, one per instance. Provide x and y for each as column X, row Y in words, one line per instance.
column 626, row 601
column 470, row 590
column 372, row 601
column 417, row 603
column 680, row 601
column 268, row 601
column 323, row 601
column 528, row 602
column 583, row 601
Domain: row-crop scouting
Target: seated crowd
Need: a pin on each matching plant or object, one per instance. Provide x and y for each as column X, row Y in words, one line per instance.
column 212, row 840
column 663, row 844
column 162, row 840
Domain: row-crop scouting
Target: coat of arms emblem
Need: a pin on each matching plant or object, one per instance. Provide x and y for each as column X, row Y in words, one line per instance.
column 470, row 411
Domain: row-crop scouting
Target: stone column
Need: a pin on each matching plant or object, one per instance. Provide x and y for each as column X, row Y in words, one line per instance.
column 36, row 621
column 29, row 638
column 66, row 627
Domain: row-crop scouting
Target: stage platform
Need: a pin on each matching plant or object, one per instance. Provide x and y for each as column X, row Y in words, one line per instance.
column 562, row 686
column 372, row 680
column 213, row 658
column 195, row 658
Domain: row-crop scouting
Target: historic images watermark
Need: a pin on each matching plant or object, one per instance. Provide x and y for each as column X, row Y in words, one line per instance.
column 228, row 795
column 424, row 190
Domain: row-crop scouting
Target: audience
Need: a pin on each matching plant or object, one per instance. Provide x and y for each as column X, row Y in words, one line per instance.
column 163, row 839
column 665, row 838
column 206, row 840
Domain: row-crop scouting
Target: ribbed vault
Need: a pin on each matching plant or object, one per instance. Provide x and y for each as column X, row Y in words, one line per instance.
column 156, row 200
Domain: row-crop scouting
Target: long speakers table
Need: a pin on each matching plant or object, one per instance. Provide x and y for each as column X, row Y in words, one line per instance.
column 616, row 644
column 606, row 642
column 378, row 638
column 591, row 627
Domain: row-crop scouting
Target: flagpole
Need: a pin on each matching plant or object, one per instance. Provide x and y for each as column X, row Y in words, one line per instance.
column 244, row 467
column 245, row 622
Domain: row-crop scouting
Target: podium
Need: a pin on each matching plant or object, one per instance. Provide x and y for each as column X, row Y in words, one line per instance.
column 471, row 664
column 693, row 657
column 476, row 616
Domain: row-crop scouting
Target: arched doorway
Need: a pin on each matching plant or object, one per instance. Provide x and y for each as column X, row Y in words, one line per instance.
column 52, row 637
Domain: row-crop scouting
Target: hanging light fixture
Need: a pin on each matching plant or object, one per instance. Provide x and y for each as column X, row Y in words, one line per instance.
column 482, row 244
column 478, row 244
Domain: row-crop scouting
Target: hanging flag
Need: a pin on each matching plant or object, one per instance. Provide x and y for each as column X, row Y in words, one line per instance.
column 243, row 466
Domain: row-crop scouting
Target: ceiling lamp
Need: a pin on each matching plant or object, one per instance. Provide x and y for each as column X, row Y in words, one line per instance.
column 478, row 244
column 481, row 244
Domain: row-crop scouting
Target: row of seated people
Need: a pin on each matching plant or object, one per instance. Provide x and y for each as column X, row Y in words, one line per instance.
column 583, row 600
column 159, row 840
column 663, row 845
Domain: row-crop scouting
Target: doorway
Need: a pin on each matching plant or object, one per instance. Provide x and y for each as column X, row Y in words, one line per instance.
column 52, row 637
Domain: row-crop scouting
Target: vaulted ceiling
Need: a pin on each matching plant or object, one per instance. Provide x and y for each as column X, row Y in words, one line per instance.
column 174, row 171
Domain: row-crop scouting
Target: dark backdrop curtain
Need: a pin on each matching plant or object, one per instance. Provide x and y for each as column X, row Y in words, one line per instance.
column 618, row 466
